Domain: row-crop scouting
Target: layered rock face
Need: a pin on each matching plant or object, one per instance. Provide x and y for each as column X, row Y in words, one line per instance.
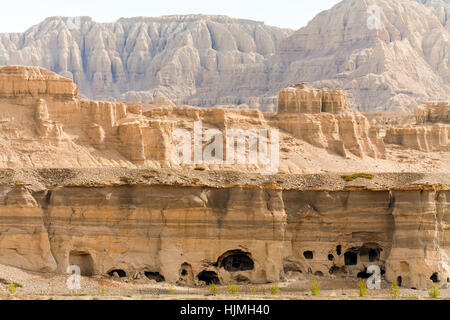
column 383, row 64
column 136, row 59
column 432, row 138
column 433, row 112
column 321, row 117
column 302, row 98
column 42, row 114
column 431, row 131
column 198, row 233
column 214, row 60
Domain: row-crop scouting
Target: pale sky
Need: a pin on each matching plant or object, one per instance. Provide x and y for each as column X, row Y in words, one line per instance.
column 19, row 15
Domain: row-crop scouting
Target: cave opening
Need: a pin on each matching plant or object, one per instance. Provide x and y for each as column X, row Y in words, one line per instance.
column 308, row 255
column 121, row 273
column 318, row 273
column 330, row 257
column 435, row 277
column 208, row 277
column 364, row 274
column 154, row 276
column 370, row 252
column 236, row 260
column 186, row 274
column 338, row 250
column 351, row 258
column 399, row 281
column 84, row 261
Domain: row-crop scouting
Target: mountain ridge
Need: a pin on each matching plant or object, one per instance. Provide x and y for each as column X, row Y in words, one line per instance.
column 209, row 60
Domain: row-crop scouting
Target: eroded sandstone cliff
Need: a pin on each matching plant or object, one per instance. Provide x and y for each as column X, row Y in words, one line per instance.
column 215, row 60
column 247, row 230
column 41, row 115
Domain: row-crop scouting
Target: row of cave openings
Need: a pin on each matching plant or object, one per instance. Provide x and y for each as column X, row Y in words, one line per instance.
column 86, row 263
column 232, row 261
column 369, row 252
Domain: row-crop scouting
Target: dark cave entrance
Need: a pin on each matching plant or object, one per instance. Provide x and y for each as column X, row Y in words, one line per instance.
column 399, row 281
column 84, row 261
column 208, row 277
column 308, row 255
column 154, row 276
column 186, row 273
column 370, row 252
column 339, row 250
column 236, row 260
column 351, row 258
column 435, row 277
column 330, row 257
column 121, row 273
column 364, row 274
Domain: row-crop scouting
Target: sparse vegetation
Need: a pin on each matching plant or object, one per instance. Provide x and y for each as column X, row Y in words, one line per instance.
column 351, row 177
column 195, row 180
column 253, row 290
column 274, row 290
column 213, row 289
column 11, row 288
column 17, row 285
column 147, row 177
column 126, row 179
column 102, row 290
column 362, row 288
column 232, row 289
column 434, row 292
column 315, row 288
column 200, row 169
column 394, row 290
column 171, row 290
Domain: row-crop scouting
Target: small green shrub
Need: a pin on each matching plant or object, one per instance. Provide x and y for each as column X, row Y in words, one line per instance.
column 232, row 289
column 362, row 288
column 253, row 290
column 200, row 169
column 147, row 177
column 315, row 288
column 171, row 290
column 351, row 177
column 434, row 292
column 213, row 289
column 102, row 290
column 395, row 292
column 195, row 180
column 11, row 288
column 17, row 285
column 274, row 290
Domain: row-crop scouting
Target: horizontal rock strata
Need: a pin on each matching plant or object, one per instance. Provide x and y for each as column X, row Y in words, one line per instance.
column 194, row 233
